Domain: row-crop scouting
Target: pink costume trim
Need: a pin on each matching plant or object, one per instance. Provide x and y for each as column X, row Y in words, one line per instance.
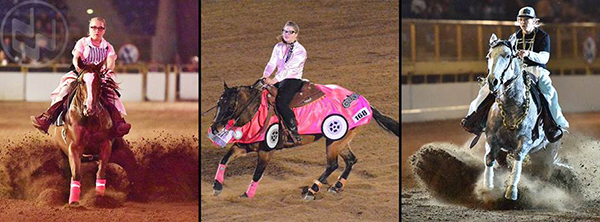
column 220, row 173
column 252, row 189
column 311, row 116
column 75, row 191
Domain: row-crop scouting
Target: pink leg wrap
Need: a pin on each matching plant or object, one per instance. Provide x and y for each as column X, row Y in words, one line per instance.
column 75, row 191
column 220, row 173
column 100, row 186
column 252, row 189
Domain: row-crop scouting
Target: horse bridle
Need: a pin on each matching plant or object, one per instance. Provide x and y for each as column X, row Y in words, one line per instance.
column 507, row 84
column 231, row 116
column 510, row 62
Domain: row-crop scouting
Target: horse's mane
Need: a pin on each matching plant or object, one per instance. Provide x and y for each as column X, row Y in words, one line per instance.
column 108, row 86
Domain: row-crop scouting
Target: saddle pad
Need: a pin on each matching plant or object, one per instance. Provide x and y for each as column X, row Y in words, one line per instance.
column 337, row 100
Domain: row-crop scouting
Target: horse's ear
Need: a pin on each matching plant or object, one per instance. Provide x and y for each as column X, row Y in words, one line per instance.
column 225, row 85
column 493, row 39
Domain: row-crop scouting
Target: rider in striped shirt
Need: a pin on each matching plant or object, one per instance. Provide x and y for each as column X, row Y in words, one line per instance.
column 92, row 50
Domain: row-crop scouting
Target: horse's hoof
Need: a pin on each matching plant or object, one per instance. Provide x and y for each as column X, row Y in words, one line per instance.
column 74, row 206
column 217, row 192
column 511, row 193
column 309, row 197
column 334, row 189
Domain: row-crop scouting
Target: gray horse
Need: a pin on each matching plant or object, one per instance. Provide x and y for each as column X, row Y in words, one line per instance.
column 512, row 117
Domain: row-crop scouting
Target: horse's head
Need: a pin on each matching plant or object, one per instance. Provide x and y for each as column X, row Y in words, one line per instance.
column 89, row 87
column 226, row 108
column 238, row 104
column 501, row 62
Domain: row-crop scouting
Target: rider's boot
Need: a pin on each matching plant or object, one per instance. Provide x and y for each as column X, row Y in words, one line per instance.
column 294, row 130
column 551, row 128
column 43, row 121
column 120, row 127
column 476, row 121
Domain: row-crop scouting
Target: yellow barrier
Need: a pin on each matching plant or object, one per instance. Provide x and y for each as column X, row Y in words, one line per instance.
column 457, row 47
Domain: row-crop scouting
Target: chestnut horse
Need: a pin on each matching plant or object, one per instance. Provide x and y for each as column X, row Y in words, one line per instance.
column 241, row 104
column 87, row 127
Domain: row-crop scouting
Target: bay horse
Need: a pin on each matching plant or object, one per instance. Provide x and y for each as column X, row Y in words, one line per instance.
column 512, row 117
column 240, row 105
column 87, row 127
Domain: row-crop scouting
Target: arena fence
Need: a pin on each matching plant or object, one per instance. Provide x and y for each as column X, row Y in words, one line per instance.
column 437, row 51
column 138, row 82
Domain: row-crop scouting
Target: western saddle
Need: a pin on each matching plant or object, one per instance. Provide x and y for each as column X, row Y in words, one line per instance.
column 307, row 94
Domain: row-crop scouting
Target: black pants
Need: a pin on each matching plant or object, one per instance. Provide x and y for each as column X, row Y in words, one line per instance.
column 285, row 92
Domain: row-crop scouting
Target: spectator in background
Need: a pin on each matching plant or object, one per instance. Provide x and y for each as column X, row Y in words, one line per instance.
column 193, row 65
column 3, row 60
column 545, row 10
column 419, row 9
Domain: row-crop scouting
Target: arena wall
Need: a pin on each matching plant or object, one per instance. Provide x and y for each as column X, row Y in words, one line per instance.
column 37, row 86
column 427, row 102
column 188, row 86
column 11, row 86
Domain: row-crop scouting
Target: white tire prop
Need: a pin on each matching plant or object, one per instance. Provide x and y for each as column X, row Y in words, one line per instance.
column 272, row 136
column 334, row 127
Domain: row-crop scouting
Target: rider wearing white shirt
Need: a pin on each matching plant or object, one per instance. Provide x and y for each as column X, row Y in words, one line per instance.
column 533, row 46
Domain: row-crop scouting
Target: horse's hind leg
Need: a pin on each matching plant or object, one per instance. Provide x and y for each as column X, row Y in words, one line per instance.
column 233, row 153
column 264, row 157
column 74, row 153
column 105, row 151
column 350, row 159
column 333, row 150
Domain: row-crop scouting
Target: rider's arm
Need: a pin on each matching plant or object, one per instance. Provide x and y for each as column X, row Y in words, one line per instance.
column 272, row 63
column 543, row 55
column 78, row 53
column 539, row 57
column 111, row 58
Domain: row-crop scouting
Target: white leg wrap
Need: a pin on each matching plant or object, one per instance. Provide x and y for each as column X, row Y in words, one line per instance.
column 488, row 181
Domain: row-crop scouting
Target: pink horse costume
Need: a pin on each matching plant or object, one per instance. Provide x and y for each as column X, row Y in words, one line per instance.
column 312, row 118
column 90, row 55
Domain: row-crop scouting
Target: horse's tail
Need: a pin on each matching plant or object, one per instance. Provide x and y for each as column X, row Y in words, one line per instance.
column 386, row 122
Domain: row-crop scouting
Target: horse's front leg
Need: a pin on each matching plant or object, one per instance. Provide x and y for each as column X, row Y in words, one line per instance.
column 74, row 153
column 490, row 159
column 515, row 175
column 264, row 157
column 233, row 153
column 105, row 151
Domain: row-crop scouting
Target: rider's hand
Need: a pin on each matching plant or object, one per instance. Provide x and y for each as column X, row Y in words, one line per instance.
column 523, row 53
column 273, row 81
column 269, row 81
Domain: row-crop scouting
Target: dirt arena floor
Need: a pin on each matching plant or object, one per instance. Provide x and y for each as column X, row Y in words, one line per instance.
column 440, row 177
column 353, row 44
column 34, row 174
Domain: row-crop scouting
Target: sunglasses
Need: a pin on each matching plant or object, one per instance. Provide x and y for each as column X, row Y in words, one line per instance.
column 290, row 32
column 98, row 28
